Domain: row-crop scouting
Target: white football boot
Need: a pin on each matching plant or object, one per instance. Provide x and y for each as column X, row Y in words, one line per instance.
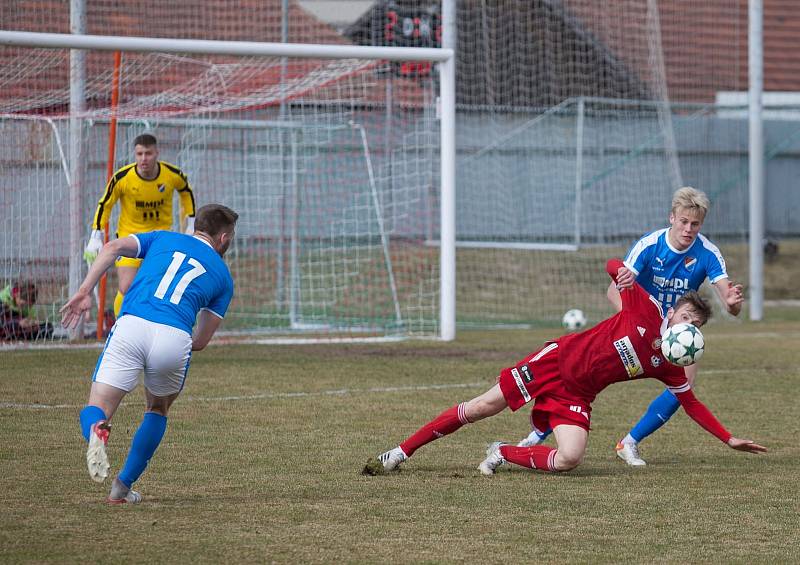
column 392, row 458
column 120, row 494
column 493, row 459
column 629, row 452
column 96, row 457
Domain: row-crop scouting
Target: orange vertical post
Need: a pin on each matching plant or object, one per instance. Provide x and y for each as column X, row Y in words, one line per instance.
column 112, row 146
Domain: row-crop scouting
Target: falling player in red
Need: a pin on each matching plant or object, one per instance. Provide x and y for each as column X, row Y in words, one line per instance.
column 565, row 376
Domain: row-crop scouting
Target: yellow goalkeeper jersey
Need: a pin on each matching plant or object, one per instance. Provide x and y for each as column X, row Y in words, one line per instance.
column 145, row 205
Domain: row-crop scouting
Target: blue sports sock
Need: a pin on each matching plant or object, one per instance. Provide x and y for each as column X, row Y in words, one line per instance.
column 144, row 445
column 90, row 415
column 658, row 413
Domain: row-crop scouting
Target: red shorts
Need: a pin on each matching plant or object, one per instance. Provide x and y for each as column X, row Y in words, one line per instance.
column 538, row 378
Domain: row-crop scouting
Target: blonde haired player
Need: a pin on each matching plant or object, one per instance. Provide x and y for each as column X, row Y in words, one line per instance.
column 145, row 191
column 668, row 263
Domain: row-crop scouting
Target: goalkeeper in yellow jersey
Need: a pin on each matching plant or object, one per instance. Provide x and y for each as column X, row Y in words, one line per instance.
column 144, row 190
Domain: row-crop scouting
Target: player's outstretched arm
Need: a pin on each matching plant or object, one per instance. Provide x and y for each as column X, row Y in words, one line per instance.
column 731, row 294
column 81, row 301
column 703, row 416
column 746, row 445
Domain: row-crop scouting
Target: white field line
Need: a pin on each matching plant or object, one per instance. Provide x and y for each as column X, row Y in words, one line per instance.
column 226, row 340
column 301, row 394
column 266, row 395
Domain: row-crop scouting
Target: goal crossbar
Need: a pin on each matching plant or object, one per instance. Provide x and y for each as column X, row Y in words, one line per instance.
column 213, row 47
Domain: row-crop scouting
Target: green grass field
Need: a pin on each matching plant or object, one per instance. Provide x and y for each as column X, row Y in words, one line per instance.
column 262, row 460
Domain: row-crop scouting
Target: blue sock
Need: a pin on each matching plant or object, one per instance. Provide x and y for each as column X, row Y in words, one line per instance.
column 144, row 445
column 658, row 413
column 90, row 415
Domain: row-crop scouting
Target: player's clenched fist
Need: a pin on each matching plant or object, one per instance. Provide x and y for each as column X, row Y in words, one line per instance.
column 625, row 278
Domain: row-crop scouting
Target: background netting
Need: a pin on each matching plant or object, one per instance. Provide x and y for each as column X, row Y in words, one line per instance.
column 576, row 121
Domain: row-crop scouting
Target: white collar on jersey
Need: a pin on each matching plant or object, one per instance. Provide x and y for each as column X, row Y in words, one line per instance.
column 672, row 247
column 203, row 240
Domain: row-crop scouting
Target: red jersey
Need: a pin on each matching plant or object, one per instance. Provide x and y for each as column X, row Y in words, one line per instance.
column 627, row 346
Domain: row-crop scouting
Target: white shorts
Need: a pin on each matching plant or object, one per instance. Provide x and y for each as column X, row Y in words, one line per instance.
column 136, row 345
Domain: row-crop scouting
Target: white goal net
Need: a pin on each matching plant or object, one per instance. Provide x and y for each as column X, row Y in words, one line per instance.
column 576, row 121
column 332, row 164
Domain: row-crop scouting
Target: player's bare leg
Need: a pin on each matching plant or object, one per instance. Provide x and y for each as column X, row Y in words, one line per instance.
column 159, row 404
column 106, row 397
column 487, row 404
column 571, row 444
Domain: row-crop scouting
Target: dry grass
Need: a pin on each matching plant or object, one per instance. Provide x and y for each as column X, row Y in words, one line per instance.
column 262, row 456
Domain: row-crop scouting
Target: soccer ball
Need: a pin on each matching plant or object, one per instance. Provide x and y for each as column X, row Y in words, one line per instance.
column 573, row 319
column 682, row 344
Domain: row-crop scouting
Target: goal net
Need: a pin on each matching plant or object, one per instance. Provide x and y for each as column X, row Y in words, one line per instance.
column 332, row 165
column 576, row 122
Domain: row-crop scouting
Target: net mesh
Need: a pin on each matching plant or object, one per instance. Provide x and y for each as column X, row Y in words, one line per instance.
column 576, row 121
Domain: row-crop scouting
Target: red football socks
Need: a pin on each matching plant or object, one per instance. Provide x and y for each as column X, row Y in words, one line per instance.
column 541, row 457
column 445, row 423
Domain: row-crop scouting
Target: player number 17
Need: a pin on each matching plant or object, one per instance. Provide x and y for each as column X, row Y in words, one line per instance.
column 188, row 276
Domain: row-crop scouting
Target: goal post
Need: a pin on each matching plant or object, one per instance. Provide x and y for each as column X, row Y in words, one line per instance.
column 334, row 232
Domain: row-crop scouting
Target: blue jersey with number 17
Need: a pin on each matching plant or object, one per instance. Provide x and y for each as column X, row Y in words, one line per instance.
column 180, row 275
column 666, row 273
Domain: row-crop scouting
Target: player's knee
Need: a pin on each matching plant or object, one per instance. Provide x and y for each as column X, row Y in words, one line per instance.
column 568, row 459
column 159, row 405
column 476, row 409
column 480, row 408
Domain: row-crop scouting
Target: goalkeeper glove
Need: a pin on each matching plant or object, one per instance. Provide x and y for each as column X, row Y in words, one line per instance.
column 189, row 225
column 94, row 246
